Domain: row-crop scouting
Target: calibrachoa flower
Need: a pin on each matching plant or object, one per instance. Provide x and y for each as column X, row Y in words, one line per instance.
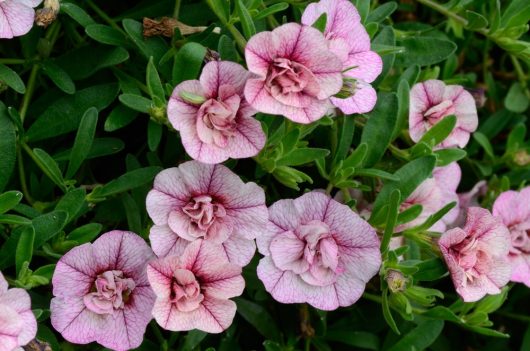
column 199, row 201
column 477, row 255
column 349, row 40
column 16, row 17
column 18, row 325
column 431, row 101
column 513, row 208
column 102, row 293
column 433, row 194
column 193, row 289
column 317, row 251
column 295, row 73
column 213, row 117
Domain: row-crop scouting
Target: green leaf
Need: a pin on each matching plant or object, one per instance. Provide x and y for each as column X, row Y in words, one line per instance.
column 136, row 102
column 485, row 143
column 517, row 13
column 48, row 165
column 430, row 270
column 258, row 317
column 375, row 173
column 100, row 147
column 227, row 49
column 84, row 61
column 475, row 20
column 83, row 141
column 302, row 156
column 321, row 22
column 516, row 138
column 65, row 114
column 25, row 247
column 188, row 62
column 77, row 14
column 58, row 76
column 45, row 271
column 148, row 47
column 380, row 13
column 72, row 203
column 290, row 140
column 11, row 79
column 106, row 34
column 357, row 157
column 278, row 7
column 487, row 331
column 128, row 181
column 516, row 100
column 377, row 132
column 432, row 219
column 246, row 20
column 193, row 339
column 492, row 303
column 8, row 147
column 154, row 85
column 424, row 51
column 411, row 175
column 410, row 214
column 13, row 219
column 420, row 337
column 9, row 199
column 392, row 214
column 446, row 156
column 85, row 233
column 347, row 128
column 439, row 131
column 154, row 135
column 48, row 225
column 525, row 345
column 119, row 117
column 443, row 313
column 387, row 314
column 357, row 339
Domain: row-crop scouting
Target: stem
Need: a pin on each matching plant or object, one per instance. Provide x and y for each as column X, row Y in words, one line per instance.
column 329, row 188
column 103, row 15
column 239, row 38
column 176, row 11
column 12, row 61
column 22, row 177
column 398, row 152
column 29, row 92
column 520, row 74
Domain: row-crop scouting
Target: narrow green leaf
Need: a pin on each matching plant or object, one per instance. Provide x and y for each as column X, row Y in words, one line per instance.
column 475, row 20
column 48, row 165
column 45, row 271
column 430, row 270
column 246, row 20
column 25, row 247
column 72, row 203
column 410, row 214
column 106, row 34
column 259, row 317
column 193, row 339
column 485, row 143
column 13, row 219
column 424, row 51
column 119, row 117
column 129, row 180
column 357, row 157
column 9, row 199
column 77, row 14
column 136, row 102
column 85, row 233
column 48, row 225
column 11, row 79
column 380, row 13
column 516, row 100
column 132, row 212
column 387, row 314
column 83, row 141
column 302, row 156
column 392, row 214
column 347, row 128
column 439, row 131
column 188, row 62
column 227, row 49
column 86, row 60
column 154, row 135
column 375, row 173
column 420, row 337
column 446, row 156
column 154, row 85
column 321, row 22
column 403, row 95
column 100, row 147
column 58, row 76
column 278, row 7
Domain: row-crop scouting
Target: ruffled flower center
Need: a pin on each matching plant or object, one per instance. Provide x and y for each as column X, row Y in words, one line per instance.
column 469, row 257
column 185, row 291
column 436, row 112
column 110, row 292
column 287, row 77
column 520, row 239
column 203, row 212
column 216, row 120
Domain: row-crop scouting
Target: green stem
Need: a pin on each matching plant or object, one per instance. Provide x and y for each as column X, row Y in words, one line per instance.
column 176, row 11
column 329, row 188
column 12, row 61
column 22, row 177
column 515, row 316
column 30, row 88
column 398, row 152
column 520, row 74
column 103, row 15
column 239, row 38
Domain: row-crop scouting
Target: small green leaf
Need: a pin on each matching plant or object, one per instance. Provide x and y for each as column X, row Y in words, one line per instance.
column 278, row 7
column 375, row 173
column 475, row 20
column 85, row 233
column 382, row 12
column 188, row 62
column 154, row 85
column 516, row 100
column 403, row 95
column 485, row 143
column 77, row 14
column 193, row 339
column 227, row 49
column 392, row 214
column 259, row 318
column 25, row 247
column 132, row 212
column 320, row 23
column 420, row 337
column 13, row 219
column 45, row 271
column 424, row 51
column 11, row 79
column 430, row 270
column 387, row 314
column 136, row 102
column 439, row 131
column 72, row 203
column 83, row 141
column 357, row 157
column 48, row 225
column 347, row 128
column 106, row 34
column 129, row 180
column 246, row 20
column 410, row 214
column 302, row 156
column 58, row 76
column 154, row 135
column 48, row 165
column 9, row 199
column 119, row 117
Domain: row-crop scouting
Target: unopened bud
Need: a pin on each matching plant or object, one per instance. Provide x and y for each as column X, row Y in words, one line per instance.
column 349, row 88
column 166, row 27
column 45, row 16
column 192, row 98
column 396, row 281
column 521, row 158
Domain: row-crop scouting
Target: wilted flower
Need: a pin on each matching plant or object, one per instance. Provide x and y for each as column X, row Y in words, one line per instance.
column 214, row 119
column 295, row 73
column 193, row 289
column 477, row 255
column 317, row 251
column 210, row 202
column 102, row 293
column 513, row 209
column 431, row 101
column 18, row 325
column 349, row 40
column 16, row 17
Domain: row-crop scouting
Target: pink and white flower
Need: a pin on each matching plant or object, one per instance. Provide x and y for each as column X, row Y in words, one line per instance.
column 16, row 17
column 210, row 202
column 213, row 117
column 18, row 325
column 317, row 251
column 102, row 293
column 193, row 290
column 295, row 73
column 431, row 101
column 348, row 39
column 513, row 209
column 477, row 255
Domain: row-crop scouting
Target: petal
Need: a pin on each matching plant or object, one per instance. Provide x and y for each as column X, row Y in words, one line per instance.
column 248, row 140
column 182, row 113
column 11, row 325
column 506, row 208
column 287, row 252
column 29, row 330
column 3, row 284
column 75, row 272
column 239, row 250
column 218, row 73
column 368, row 66
column 260, row 51
column 362, row 101
column 448, row 177
column 16, row 19
column 160, row 274
column 342, row 17
column 165, row 242
column 200, row 151
column 520, row 268
column 223, row 282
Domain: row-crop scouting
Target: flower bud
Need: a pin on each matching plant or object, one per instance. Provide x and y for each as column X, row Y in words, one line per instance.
column 396, row 281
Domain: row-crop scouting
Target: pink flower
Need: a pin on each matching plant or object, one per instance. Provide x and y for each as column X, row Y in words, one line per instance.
column 433, row 194
column 431, row 101
column 469, row 199
column 513, row 209
column 16, row 17
column 214, row 119
column 317, row 251
column 294, row 73
column 349, row 40
column 477, row 255
column 102, row 293
column 193, row 290
column 18, row 325
column 199, row 201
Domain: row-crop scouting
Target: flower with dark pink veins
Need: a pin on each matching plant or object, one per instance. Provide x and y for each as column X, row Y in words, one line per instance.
column 477, row 255
column 102, row 293
column 18, row 325
column 513, row 209
column 193, row 289
column 431, row 101
column 213, row 117
column 317, row 251
column 349, row 40
column 199, row 201
column 16, row 17
column 295, row 73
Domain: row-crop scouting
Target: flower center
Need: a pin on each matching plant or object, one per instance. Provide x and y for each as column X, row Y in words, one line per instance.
column 520, row 240
column 185, row 291
column 468, row 256
column 444, row 108
column 203, row 211
column 286, row 77
column 216, row 120
column 110, row 292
